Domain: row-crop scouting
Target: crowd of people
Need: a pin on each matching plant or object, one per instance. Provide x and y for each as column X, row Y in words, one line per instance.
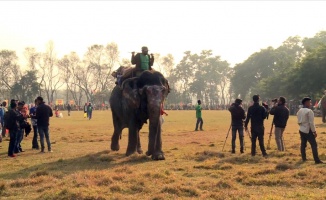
column 14, row 119
column 258, row 113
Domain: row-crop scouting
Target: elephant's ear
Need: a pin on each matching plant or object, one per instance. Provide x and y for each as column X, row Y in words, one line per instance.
column 130, row 92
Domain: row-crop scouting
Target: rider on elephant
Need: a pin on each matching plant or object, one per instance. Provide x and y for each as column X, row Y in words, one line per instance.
column 143, row 61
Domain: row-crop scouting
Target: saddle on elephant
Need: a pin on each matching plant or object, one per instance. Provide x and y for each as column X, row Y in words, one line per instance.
column 123, row 73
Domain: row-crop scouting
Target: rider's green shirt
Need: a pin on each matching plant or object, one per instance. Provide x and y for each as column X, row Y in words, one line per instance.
column 144, row 60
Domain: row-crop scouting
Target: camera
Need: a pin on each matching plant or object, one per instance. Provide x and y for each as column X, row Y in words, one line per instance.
column 274, row 100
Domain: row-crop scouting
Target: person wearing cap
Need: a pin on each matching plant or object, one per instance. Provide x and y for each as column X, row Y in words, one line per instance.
column 143, row 61
column 43, row 114
column 257, row 114
column 281, row 116
column 307, row 130
column 323, row 107
column 238, row 115
column 199, row 116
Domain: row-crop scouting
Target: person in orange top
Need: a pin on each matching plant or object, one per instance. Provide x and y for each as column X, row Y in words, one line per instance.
column 162, row 113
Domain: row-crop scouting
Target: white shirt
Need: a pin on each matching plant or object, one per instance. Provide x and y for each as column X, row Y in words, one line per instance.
column 306, row 120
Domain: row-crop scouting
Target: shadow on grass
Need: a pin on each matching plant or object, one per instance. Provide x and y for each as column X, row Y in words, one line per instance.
column 97, row 161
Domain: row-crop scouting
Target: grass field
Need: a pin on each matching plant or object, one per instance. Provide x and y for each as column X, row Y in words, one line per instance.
column 83, row 167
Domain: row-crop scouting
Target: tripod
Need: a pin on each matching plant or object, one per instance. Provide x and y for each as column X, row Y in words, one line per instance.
column 227, row 135
column 270, row 136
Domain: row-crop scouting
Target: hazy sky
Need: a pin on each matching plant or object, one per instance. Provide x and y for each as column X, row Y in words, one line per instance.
column 232, row 29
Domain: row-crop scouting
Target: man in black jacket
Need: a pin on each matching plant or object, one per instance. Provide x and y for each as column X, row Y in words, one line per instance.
column 238, row 115
column 13, row 119
column 43, row 114
column 257, row 114
column 281, row 116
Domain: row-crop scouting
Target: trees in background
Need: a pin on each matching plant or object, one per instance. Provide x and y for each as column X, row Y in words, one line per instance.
column 294, row 69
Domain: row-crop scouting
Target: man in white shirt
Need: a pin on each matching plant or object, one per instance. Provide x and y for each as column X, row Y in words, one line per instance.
column 307, row 130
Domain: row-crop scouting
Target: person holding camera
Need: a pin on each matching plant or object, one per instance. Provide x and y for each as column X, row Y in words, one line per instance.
column 307, row 130
column 257, row 114
column 281, row 116
column 238, row 115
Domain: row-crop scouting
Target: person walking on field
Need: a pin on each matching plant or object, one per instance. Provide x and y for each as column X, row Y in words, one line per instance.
column 307, row 130
column 43, row 114
column 89, row 111
column 85, row 110
column 199, row 116
column 323, row 107
column 281, row 116
column 257, row 114
column 238, row 116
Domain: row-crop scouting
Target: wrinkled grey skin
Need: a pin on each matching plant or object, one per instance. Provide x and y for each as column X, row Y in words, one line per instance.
column 138, row 100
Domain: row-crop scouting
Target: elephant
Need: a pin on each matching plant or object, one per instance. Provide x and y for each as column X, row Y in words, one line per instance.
column 137, row 100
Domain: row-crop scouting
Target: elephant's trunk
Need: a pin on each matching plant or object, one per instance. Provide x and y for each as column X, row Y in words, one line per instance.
column 154, row 100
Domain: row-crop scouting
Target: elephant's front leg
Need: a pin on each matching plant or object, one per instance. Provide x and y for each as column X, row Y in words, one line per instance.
column 132, row 138
column 139, row 149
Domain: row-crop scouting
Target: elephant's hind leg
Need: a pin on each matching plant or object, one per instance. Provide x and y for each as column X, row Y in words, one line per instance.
column 116, row 134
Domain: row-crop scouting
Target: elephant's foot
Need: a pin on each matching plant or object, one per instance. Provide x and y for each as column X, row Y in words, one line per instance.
column 158, row 156
column 139, row 150
column 148, row 153
column 130, row 152
column 115, row 147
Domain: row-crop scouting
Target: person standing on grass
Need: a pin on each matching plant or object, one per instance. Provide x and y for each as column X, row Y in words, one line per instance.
column 43, row 114
column 69, row 109
column 238, row 115
column 20, row 134
column 32, row 112
column 281, row 116
column 257, row 114
column 89, row 111
column 307, row 130
column 199, row 116
column 85, row 110
column 12, row 123
column 4, row 108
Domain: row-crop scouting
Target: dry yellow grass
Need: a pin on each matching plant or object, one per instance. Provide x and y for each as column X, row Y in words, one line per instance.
column 83, row 167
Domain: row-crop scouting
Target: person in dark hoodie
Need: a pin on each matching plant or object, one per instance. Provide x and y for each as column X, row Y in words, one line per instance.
column 13, row 119
column 238, row 116
column 257, row 114
column 281, row 116
column 43, row 114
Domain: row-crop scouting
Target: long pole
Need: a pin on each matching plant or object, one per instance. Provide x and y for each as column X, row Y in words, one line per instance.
column 227, row 135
